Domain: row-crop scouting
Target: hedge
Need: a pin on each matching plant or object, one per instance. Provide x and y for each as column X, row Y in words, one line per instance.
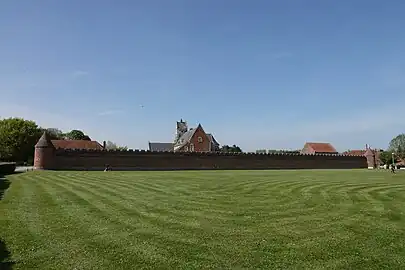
column 7, row 168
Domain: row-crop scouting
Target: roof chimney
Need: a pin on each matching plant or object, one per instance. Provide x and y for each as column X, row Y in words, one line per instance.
column 366, row 146
column 104, row 144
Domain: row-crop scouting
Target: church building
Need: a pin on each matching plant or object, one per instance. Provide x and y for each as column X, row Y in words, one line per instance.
column 188, row 140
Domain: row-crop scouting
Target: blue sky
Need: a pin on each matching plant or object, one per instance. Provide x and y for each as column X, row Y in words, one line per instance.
column 260, row 74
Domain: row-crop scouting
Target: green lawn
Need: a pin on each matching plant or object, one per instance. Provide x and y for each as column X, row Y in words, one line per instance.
column 203, row 220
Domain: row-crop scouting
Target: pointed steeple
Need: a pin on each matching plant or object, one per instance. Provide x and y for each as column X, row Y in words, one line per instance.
column 200, row 127
column 44, row 141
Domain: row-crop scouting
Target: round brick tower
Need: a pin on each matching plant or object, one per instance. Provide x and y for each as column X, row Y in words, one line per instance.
column 370, row 156
column 44, row 153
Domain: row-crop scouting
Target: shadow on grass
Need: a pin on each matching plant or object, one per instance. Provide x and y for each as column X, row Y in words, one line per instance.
column 4, row 184
column 5, row 263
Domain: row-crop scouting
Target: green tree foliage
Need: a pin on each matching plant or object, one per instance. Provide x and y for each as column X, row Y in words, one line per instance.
column 231, row 149
column 55, row 134
column 17, row 139
column 397, row 146
column 274, row 151
column 386, row 157
column 77, row 135
column 113, row 146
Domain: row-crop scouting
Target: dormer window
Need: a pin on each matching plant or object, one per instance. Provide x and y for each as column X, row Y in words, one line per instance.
column 200, row 140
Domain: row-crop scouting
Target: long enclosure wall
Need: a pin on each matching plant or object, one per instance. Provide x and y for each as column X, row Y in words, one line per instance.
column 143, row 160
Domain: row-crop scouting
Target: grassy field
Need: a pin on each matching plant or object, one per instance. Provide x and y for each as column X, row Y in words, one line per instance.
column 203, row 220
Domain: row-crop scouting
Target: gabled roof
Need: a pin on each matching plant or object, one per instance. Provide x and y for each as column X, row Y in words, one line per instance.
column 186, row 137
column 212, row 139
column 44, row 141
column 77, row 144
column 355, row 153
column 161, row 147
column 322, row 147
column 362, row 152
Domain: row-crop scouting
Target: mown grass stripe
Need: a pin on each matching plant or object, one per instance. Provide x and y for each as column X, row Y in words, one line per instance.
column 127, row 227
column 125, row 214
column 91, row 220
column 206, row 220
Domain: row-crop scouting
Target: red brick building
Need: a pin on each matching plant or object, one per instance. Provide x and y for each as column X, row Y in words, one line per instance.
column 194, row 140
column 45, row 148
column 44, row 152
column 372, row 155
column 318, row 148
column 188, row 140
column 77, row 144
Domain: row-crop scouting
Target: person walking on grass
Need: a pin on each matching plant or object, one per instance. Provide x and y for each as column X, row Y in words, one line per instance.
column 392, row 168
column 107, row 168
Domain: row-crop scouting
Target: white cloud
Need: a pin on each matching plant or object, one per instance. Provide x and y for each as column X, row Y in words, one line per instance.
column 110, row 112
column 349, row 131
column 79, row 73
column 44, row 119
column 52, row 120
column 94, row 126
column 375, row 126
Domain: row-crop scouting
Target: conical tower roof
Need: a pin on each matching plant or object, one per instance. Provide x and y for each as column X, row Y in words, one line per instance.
column 44, row 141
column 369, row 152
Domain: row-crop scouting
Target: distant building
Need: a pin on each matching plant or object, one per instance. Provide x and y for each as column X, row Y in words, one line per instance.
column 161, row 147
column 188, row 140
column 318, row 148
column 77, row 144
column 275, row 151
column 372, row 155
column 215, row 147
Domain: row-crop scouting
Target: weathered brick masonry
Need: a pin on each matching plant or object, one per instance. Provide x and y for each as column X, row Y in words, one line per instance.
column 49, row 158
column 142, row 160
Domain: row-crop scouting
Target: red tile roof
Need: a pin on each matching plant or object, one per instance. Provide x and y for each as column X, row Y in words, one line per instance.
column 363, row 153
column 322, row 147
column 77, row 144
column 355, row 153
column 401, row 162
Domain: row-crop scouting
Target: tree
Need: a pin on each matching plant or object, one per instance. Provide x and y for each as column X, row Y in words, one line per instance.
column 397, row 146
column 236, row 149
column 17, row 139
column 231, row 149
column 386, row 157
column 77, row 135
column 55, row 134
column 275, row 151
column 113, row 146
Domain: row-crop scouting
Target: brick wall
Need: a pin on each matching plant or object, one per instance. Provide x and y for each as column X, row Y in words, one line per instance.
column 200, row 146
column 44, row 158
column 142, row 160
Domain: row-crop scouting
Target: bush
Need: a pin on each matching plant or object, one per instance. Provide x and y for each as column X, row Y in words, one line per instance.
column 7, row 168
